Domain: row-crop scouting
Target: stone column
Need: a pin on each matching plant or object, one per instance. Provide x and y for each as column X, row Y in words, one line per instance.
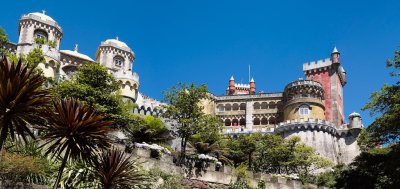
column 249, row 115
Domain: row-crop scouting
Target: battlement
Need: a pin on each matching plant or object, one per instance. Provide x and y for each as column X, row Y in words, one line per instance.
column 317, row 65
column 312, row 124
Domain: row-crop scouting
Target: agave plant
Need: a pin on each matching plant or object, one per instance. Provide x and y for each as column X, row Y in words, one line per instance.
column 75, row 131
column 22, row 100
column 115, row 169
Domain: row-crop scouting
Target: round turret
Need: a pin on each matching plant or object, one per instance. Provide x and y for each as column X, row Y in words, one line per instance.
column 303, row 100
column 38, row 30
column 355, row 124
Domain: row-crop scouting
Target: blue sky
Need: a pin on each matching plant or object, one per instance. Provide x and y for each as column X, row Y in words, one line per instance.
column 208, row 41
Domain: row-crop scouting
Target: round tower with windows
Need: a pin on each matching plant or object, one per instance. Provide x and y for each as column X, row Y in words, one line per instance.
column 37, row 30
column 303, row 99
column 118, row 58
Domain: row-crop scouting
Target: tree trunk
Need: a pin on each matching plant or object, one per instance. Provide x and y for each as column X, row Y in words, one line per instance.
column 183, row 150
column 60, row 171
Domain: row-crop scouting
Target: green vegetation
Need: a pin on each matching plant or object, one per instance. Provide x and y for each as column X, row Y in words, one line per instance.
column 40, row 40
column 52, row 44
column 75, row 132
column 183, row 101
column 3, row 40
column 94, row 86
column 35, row 57
column 147, row 129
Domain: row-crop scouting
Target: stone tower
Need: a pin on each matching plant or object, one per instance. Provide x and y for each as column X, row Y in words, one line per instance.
column 332, row 76
column 118, row 58
column 37, row 30
column 231, row 87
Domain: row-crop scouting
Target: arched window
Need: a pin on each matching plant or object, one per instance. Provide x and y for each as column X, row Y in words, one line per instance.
column 235, row 107
column 264, row 105
column 257, row 106
column 235, row 122
column 272, row 105
column 256, row 121
column 304, row 109
column 40, row 35
column 264, row 121
column 272, row 120
column 220, row 107
column 242, row 122
column 228, row 107
column 227, row 122
column 118, row 61
column 242, row 106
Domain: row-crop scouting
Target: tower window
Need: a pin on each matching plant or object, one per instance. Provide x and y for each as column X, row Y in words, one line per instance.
column 304, row 109
column 40, row 36
column 118, row 61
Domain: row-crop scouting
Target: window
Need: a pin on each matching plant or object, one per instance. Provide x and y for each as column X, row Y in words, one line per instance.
column 118, row 61
column 40, row 36
column 304, row 109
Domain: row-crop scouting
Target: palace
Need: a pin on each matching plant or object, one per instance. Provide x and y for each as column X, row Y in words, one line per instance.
column 311, row 109
column 38, row 30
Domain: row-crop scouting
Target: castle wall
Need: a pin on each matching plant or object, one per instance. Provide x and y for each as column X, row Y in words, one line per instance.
column 291, row 111
column 324, row 143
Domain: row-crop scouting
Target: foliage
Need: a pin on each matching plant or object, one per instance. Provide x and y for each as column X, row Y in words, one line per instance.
column 22, row 100
column 3, row 36
column 183, row 101
column 35, row 57
column 240, row 184
column 208, row 139
column 26, row 169
column 376, row 168
column 115, row 169
column 148, row 129
column 79, row 174
column 75, row 131
column 40, row 40
column 386, row 105
column 289, row 156
column 94, row 86
column 3, row 40
column 169, row 180
column 24, row 162
column 52, row 44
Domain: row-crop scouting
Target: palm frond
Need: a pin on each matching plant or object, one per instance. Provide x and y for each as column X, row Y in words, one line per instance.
column 22, row 100
column 115, row 169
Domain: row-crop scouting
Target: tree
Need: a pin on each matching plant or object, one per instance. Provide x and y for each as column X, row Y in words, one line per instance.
column 75, row 131
column 35, row 57
column 278, row 155
column 376, row 168
column 386, row 105
column 183, row 101
column 22, row 100
column 148, row 129
column 94, row 86
column 3, row 40
column 115, row 169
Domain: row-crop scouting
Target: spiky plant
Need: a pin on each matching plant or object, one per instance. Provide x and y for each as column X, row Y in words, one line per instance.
column 115, row 169
column 75, row 131
column 22, row 100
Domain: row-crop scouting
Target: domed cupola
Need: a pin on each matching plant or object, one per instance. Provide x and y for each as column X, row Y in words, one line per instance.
column 39, row 30
column 115, row 55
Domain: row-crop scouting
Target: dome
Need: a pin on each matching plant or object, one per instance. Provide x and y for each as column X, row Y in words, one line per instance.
column 42, row 16
column 75, row 53
column 117, row 42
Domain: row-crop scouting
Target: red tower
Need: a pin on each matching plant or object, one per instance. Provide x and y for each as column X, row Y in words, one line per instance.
column 231, row 88
column 252, row 86
column 332, row 76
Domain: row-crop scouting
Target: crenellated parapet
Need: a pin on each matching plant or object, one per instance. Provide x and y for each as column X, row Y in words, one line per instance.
column 308, row 124
column 319, row 65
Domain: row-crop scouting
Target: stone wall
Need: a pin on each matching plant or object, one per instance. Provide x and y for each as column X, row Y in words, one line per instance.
column 211, row 178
